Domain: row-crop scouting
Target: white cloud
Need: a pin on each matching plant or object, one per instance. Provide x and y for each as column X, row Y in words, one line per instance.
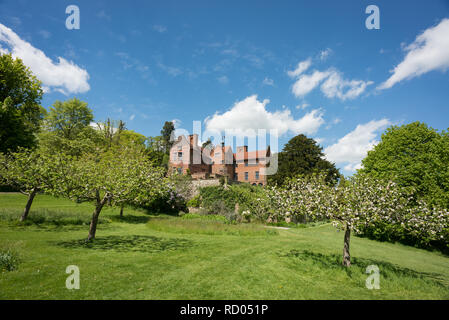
column 159, row 28
column 353, row 147
column 302, row 106
column 131, row 118
column 268, row 82
column 248, row 115
column 63, row 76
column 334, row 85
column 325, row 54
column 429, row 51
column 307, row 83
column 302, row 66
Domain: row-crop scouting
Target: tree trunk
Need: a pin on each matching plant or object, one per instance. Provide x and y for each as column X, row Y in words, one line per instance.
column 121, row 211
column 93, row 224
column 346, row 255
column 28, row 205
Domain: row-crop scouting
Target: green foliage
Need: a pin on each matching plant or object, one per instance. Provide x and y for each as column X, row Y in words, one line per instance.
column 20, row 110
column 364, row 205
column 416, row 157
column 195, row 202
column 68, row 118
column 167, row 132
column 26, row 170
column 122, row 175
column 155, row 152
column 302, row 156
column 9, row 260
column 222, row 200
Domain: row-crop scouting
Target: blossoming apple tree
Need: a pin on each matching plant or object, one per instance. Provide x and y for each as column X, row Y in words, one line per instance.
column 114, row 177
column 358, row 202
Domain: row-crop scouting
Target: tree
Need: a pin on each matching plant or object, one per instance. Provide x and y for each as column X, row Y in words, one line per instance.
column 416, row 157
column 116, row 176
column 167, row 135
column 302, row 156
column 155, row 151
column 357, row 203
column 26, row 170
column 69, row 118
column 111, row 131
column 20, row 110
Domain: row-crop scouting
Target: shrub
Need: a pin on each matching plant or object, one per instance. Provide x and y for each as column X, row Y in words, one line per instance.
column 253, row 202
column 9, row 260
column 195, row 202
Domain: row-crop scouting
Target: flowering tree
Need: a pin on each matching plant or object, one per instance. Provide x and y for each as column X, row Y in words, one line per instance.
column 26, row 170
column 361, row 201
column 116, row 176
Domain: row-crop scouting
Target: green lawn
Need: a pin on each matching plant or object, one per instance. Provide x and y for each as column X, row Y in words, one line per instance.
column 151, row 257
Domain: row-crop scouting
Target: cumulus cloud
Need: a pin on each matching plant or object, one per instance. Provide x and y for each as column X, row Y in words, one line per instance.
column 63, row 76
column 337, row 87
column 353, row 147
column 307, row 83
column 302, row 66
column 429, row 51
column 248, row 115
column 333, row 83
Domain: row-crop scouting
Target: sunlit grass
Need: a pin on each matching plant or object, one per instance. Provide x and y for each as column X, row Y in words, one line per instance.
column 203, row 225
column 143, row 256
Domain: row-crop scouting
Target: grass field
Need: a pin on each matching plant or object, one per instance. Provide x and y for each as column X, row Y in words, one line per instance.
column 160, row 257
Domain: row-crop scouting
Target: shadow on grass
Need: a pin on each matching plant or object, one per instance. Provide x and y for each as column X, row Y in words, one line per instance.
column 358, row 265
column 50, row 227
column 135, row 243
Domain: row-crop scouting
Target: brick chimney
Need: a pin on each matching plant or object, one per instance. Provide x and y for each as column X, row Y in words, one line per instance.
column 193, row 140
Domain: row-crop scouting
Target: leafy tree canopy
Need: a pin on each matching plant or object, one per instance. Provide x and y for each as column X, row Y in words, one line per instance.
column 302, row 156
column 166, row 132
column 69, row 118
column 415, row 156
column 20, row 110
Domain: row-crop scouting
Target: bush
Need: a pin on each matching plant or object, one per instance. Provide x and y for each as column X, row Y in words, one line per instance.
column 9, row 260
column 243, row 194
column 195, row 202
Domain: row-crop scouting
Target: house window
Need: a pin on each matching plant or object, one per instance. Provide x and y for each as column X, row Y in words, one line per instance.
column 180, row 170
column 246, row 175
column 246, row 163
column 257, row 175
column 179, row 154
column 236, row 176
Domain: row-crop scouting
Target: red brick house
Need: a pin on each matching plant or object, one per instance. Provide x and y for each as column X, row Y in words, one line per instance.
column 186, row 156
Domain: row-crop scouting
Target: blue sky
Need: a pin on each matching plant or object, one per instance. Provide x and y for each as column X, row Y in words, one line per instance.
column 231, row 64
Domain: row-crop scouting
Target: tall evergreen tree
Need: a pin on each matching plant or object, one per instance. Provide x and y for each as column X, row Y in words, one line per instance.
column 302, row 156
